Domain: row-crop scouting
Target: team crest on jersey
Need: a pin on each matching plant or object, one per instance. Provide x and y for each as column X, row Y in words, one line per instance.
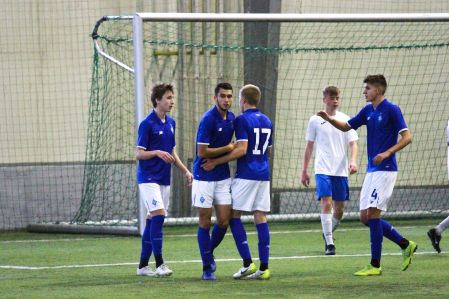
column 154, row 202
column 220, row 129
column 202, row 199
column 161, row 132
column 379, row 118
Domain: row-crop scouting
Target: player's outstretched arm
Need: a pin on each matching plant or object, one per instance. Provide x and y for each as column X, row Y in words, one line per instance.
column 341, row 125
column 406, row 139
column 239, row 151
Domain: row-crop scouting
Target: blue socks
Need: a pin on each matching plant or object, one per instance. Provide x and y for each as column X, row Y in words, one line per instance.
column 156, row 237
column 204, row 244
column 146, row 245
column 263, row 234
column 390, row 233
column 218, row 234
column 241, row 241
column 376, row 237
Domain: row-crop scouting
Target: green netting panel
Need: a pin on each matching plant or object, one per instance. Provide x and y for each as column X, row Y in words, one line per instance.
column 291, row 67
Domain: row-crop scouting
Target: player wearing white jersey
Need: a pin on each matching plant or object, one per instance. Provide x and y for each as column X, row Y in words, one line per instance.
column 331, row 164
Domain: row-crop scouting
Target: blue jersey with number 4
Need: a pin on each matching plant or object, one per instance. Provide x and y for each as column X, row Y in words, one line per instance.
column 383, row 126
column 256, row 128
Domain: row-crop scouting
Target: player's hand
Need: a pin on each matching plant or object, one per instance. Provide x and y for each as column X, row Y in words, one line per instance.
column 208, row 164
column 353, row 168
column 189, row 177
column 305, row 179
column 166, row 157
column 380, row 157
column 324, row 115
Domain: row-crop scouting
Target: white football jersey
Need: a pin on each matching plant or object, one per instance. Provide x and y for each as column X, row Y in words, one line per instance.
column 331, row 145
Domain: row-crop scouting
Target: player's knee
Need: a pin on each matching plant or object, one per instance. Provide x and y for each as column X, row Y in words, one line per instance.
column 223, row 223
column 204, row 221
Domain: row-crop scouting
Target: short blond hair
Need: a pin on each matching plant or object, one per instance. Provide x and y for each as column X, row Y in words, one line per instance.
column 251, row 93
column 331, row 91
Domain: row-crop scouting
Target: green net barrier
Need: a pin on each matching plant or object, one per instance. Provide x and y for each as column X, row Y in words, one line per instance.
column 291, row 62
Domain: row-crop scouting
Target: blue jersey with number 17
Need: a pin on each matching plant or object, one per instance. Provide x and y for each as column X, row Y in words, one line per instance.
column 256, row 128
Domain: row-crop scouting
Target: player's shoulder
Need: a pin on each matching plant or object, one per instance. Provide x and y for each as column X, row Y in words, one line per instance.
column 170, row 119
column 314, row 118
column 342, row 116
column 391, row 106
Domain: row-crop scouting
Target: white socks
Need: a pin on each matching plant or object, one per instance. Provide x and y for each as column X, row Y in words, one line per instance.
column 335, row 223
column 440, row 227
column 326, row 223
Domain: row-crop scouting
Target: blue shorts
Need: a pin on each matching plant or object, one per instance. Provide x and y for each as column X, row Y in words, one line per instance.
column 335, row 186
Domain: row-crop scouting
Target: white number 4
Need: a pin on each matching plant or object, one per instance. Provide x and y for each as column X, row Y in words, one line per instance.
column 256, row 150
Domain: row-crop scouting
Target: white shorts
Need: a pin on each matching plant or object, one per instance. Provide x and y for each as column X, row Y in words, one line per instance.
column 205, row 194
column 377, row 189
column 249, row 195
column 154, row 196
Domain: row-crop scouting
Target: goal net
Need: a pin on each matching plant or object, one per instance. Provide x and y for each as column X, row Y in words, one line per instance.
column 291, row 61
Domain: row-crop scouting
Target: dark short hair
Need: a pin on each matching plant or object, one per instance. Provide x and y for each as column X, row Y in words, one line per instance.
column 332, row 91
column 251, row 93
column 377, row 80
column 222, row 85
column 158, row 91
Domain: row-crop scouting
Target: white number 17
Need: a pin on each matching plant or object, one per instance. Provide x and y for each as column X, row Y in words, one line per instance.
column 256, row 150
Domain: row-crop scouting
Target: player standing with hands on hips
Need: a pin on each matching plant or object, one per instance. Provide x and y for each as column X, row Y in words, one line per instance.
column 384, row 122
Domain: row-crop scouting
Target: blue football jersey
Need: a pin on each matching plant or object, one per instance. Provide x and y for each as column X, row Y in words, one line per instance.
column 383, row 126
column 256, row 128
column 213, row 131
column 153, row 135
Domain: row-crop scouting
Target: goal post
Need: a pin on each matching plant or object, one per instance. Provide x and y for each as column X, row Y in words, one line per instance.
column 304, row 53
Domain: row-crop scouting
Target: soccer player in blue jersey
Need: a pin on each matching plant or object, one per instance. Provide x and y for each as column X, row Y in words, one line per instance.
column 155, row 154
column 250, row 188
column 384, row 122
column 212, row 188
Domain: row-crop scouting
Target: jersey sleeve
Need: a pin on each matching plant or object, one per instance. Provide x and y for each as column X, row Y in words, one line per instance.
column 352, row 135
column 311, row 131
column 241, row 133
column 205, row 130
column 143, row 134
column 358, row 120
column 398, row 119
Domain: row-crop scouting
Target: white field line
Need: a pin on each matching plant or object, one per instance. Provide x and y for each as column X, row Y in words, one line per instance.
column 218, row 260
column 191, row 235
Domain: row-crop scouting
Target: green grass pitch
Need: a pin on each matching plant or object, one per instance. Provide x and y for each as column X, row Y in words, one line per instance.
column 92, row 266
